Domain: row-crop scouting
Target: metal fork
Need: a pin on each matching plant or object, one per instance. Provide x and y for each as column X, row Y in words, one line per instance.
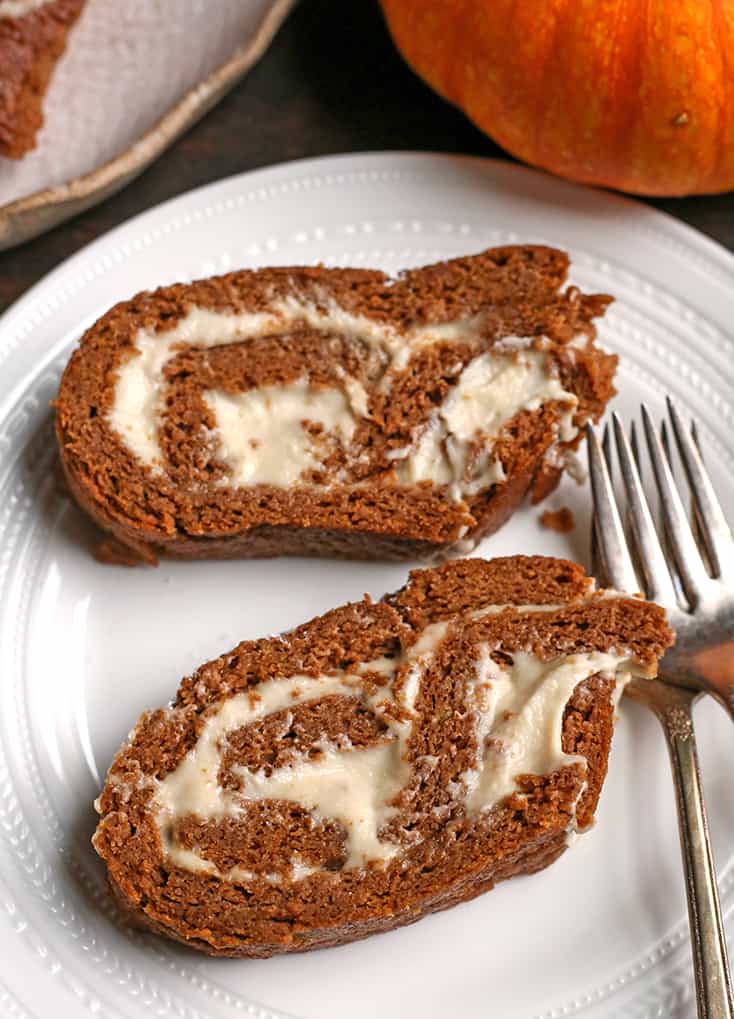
column 700, row 606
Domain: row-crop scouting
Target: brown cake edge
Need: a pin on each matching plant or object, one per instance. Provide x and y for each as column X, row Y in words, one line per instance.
column 267, row 541
column 595, row 728
column 156, row 528
column 429, row 595
column 531, row 863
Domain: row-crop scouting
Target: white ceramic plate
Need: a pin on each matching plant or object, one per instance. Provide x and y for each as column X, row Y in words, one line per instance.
column 84, row 648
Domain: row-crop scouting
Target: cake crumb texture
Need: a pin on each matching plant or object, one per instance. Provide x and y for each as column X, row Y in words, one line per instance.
column 224, row 823
column 332, row 412
column 560, row 520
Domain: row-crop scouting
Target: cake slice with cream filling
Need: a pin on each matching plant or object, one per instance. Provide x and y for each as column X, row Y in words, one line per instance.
column 332, row 411
column 378, row 763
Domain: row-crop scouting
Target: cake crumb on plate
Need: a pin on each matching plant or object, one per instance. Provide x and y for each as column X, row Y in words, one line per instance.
column 560, row 520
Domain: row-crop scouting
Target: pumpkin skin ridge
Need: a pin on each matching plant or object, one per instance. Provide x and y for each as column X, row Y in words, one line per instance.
column 639, row 99
column 727, row 117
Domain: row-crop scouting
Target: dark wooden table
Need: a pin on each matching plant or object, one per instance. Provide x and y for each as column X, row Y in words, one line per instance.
column 331, row 82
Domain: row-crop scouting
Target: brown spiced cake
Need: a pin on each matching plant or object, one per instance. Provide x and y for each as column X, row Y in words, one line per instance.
column 332, row 411
column 378, row 763
column 32, row 38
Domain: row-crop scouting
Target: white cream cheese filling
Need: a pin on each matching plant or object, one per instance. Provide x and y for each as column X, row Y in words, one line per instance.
column 519, row 712
column 19, row 8
column 490, row 391
column 352, row 786
column 137, row 404
column 262, row 436
column 518, row 716
column 260, row 433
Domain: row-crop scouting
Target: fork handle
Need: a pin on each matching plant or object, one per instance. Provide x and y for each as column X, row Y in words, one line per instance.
column 672, row 705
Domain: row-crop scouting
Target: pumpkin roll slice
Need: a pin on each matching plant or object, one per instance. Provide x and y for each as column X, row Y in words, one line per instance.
column 338, row 412
column 32, row 38
column 378, row 763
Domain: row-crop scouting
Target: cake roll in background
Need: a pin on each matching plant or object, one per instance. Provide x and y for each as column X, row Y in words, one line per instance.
column 32, row 38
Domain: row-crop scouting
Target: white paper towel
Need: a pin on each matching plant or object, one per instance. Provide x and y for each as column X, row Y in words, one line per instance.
column 127, row 62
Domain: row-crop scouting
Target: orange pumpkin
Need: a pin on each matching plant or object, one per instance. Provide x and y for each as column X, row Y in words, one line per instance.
column 631, row 94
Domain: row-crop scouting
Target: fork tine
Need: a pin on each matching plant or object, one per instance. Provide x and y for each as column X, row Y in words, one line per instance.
column 665, row 541
column 612, row 546
column 694, row 436
column 597, row 566
column 649, row 553
column 665, row 439
column 691, row 571
column 635, row 448
column 709, row 514
column 606, row 447
column 634, row 445
column 695, row 516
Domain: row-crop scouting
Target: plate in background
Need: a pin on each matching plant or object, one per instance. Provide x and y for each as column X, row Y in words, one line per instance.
column 84, row 648
column 133, row 78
